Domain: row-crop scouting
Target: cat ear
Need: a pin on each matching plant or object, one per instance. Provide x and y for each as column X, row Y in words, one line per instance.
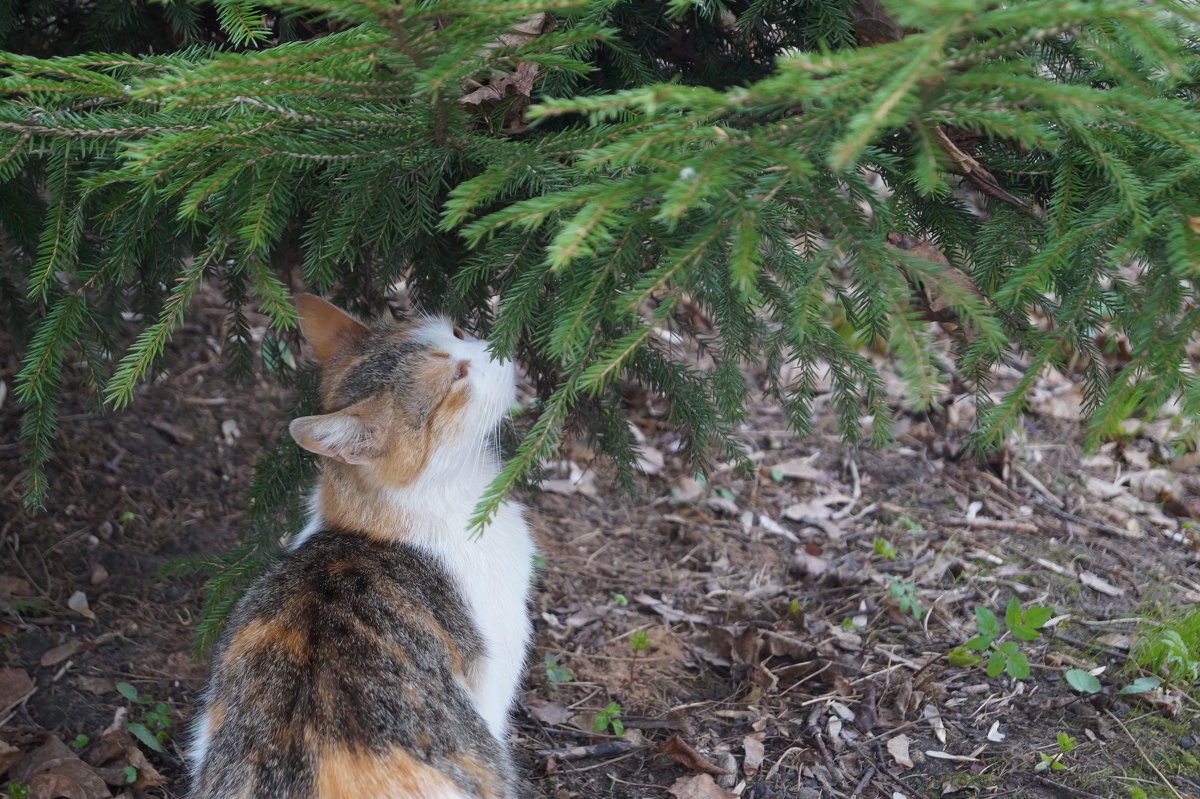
column 327, row 328
column 357, row 434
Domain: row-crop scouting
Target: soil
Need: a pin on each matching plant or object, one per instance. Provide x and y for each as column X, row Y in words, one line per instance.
column 798, row 615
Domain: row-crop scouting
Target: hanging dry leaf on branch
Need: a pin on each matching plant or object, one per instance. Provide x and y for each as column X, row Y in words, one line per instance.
column 512, row 90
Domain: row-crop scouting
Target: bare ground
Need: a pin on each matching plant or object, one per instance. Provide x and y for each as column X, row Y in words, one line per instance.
column 747, row 623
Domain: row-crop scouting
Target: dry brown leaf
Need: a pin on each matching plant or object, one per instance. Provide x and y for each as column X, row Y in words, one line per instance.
column 147, row 776
column 755, row 751
column 9, row 755
column 897, row 747
column 698, row 786
column 1186, row 462
column 96, row 685
column 931, row 714
column 13, row 586
column 54, row 767
column 548, row 712
column 61, row 652
column 516, row 86
column 684, row 754
column 15, row 685
column 1169, row 703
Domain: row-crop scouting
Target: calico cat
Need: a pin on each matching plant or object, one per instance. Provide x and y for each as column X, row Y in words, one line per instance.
column 378, row 658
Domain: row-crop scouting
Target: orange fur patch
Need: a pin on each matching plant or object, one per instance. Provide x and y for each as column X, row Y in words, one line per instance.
column 344, row 773
column 350, row 502
column 261, row 635
column 484, row 779
column 216, row 717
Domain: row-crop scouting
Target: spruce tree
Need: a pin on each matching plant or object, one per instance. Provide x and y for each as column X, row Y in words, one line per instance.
column 562, row 176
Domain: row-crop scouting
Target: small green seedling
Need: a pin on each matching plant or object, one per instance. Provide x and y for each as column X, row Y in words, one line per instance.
column 621, row 600
column 127, row 517
column 1136, row 793
column 1165, row 651
column 130, row 774
column 905, row 594
column 1005, row 656
column 1083, row 681
column 794, row 606
column 153, row 729
column 884, row 548
column 80, row 741
column 610, row 717
column 639, row 641
column 556, row 673
column 912, row 527
column 777, row 474
column 1065, row 744
column 1142, row 685
column 18, row 790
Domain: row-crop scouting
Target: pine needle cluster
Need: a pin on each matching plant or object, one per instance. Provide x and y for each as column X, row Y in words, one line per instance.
column 636, row 156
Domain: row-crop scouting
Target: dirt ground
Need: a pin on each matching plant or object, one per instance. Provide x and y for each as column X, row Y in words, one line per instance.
column 788, row 626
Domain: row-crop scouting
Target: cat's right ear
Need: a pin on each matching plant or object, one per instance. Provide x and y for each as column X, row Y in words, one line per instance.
column 329, row 329
column 357, row 434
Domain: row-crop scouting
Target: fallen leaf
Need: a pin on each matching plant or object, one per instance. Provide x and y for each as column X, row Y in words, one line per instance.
column 79, row 603
column 53, row 770
column 61, row 652
column 897, row 747
column 755, row 751
column 698, row 786
column 15, row 686
column 13, row 586
column 9, row 755
column 1098, row 583
column 935, row 720
column 994, row 733
column 866, row 718
column 650, row 460
column 1186, row 462
column 96, row 685
column 801, row 469
column 548, row 712
column 684, row 754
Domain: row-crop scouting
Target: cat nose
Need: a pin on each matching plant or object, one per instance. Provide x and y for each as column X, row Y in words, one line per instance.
column 462, row 370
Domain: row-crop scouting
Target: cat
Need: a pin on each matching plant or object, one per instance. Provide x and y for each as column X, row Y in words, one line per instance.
column 379, row 657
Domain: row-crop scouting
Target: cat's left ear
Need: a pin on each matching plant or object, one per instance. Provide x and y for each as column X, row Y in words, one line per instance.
column 329, row 329
column 357, row 434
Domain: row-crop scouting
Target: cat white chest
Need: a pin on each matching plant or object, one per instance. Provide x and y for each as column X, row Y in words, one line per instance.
column 493, row 572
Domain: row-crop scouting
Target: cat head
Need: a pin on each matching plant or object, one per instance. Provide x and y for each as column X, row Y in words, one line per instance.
column 401, row 398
